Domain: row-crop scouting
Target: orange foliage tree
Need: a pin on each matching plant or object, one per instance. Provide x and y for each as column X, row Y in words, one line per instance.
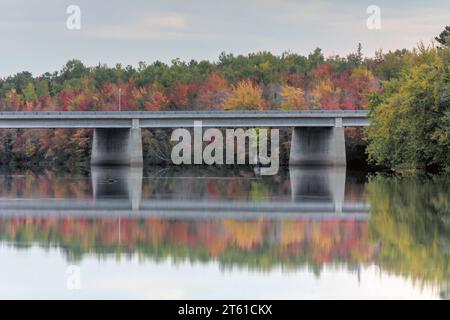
column 293, row 98
column 245, row 96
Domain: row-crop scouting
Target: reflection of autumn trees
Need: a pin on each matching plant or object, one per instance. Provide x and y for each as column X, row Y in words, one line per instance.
column 408, row 233
column 245, row 234
column 257, row 243
column 46, row 184
column 244, row 186
column 411, row 216
column 236, row 185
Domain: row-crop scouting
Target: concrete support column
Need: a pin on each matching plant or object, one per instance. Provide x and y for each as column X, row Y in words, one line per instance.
column 318, row 146
column 117, row 146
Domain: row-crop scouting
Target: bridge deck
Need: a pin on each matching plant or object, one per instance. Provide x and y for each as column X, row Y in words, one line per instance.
column 170, row 119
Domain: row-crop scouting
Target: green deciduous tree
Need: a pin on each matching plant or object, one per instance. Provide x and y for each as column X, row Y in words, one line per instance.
column 411, row 117
column 29, row 92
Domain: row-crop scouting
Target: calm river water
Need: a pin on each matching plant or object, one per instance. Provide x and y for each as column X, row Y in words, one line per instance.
column 172, row 233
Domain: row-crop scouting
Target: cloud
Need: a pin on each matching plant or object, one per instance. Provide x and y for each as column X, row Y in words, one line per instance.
column 170, row 21
column 417, row 21
column 35, row 33
column 150, row 27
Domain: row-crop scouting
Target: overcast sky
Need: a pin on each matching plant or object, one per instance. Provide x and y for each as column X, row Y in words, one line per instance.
column 34, row 36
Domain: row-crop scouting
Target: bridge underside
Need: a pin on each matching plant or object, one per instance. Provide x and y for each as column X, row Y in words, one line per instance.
column 323, row 146
column 318, row 147
column 117, row 147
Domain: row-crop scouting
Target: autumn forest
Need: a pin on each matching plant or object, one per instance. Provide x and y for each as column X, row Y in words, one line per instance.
column 399, row 87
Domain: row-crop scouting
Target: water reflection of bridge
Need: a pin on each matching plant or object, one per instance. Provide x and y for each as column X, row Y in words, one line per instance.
column 316, row 193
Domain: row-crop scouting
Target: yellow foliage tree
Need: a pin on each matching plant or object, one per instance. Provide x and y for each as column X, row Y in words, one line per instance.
column 322, row 93
column 245, row 96
column 293, row 98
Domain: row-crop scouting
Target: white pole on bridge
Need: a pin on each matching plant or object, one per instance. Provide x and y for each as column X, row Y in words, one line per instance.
column 120, row 95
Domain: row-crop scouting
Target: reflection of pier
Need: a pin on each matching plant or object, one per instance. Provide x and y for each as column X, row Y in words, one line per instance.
column 319, row 185
column 120, row 183
column 316, row 194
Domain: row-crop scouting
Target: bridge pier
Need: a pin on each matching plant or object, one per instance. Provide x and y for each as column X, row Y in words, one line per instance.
column 118, row 146
column 318, row 146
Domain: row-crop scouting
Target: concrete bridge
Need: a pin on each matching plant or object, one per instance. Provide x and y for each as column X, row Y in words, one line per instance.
column 317, row 137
